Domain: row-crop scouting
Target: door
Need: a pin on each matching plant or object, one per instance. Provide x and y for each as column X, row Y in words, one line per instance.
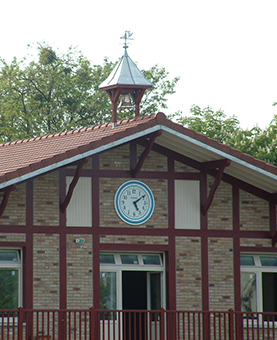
column 134, row 297
column 140, row 291
column 131, row 282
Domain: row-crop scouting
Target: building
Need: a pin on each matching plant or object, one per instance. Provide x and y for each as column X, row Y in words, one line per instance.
column 140, row 214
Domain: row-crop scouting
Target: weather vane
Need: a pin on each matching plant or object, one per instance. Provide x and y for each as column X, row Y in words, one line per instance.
column 127, row 36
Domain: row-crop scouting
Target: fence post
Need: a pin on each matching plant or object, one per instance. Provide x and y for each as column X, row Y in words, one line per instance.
column 231, row 315
column 206, row 325
column 171, row 324
column 29, row 323
column 20, row 324
column 62, row 324
column 239, row 325
column 92, row 324
column 162, row 324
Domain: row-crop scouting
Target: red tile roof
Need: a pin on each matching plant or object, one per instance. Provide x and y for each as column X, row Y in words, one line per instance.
column 23, row 157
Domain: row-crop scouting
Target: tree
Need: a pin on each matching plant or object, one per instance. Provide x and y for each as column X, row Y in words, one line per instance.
column 265, row 142
column 261, row 144
column 56, row 92
column 213, row 124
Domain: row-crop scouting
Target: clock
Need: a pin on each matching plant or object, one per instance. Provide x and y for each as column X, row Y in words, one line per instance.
column 134, row 202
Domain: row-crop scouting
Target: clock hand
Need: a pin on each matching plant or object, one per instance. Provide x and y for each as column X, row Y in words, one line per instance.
column 135, row 202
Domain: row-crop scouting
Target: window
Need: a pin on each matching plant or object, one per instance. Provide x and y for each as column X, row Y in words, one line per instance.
column 259, row 283
column 10, row 278
column 108, row 290
column 131, row 259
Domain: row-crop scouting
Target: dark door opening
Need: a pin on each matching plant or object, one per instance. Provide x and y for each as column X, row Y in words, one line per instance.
column 134, row 290
column 134, row 296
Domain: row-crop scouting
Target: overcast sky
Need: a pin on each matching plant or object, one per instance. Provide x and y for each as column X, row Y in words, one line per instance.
column 224, row 51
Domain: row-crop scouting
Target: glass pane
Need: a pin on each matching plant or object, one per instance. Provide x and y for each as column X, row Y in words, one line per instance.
column 247, row 261
column 108, row 290
column 248, row 292
column 107, row 258
column 155, row 291
column 10, row 256
column 268, row 261
column 8, row 289
column 151, row 259
column 129, row 259
column 269, row 292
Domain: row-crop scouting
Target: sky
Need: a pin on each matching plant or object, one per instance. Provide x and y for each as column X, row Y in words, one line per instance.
column 224, row 51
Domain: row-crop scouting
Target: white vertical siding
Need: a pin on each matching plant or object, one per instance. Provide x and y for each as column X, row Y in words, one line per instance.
column 187, row 204
column 79, row 210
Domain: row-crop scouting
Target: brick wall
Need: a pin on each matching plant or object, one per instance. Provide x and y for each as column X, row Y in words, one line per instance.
column 14, row 237
column 221, row 273
column 117, row 159
column 46, row 271
column 46, row 200
column 188, row 273
column 15, row 212
column 254, row 242
column 254, row 212
column 79, row 272
column 135, row 239
column 153, row 162
column 180, row 167
column 220, row 215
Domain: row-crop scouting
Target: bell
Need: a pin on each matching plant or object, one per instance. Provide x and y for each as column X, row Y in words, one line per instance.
column 126, row 102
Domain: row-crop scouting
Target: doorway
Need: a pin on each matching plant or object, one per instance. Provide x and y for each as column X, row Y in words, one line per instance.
column 132, row 281
column 134, row 297
column 134, row 290
column 133, row 284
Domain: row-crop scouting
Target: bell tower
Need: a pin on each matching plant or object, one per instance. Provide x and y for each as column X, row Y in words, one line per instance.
column 125, row 81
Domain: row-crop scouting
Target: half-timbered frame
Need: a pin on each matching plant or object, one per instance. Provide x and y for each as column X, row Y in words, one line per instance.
column 224, row 202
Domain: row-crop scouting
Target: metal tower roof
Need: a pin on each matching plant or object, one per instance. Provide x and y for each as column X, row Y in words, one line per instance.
column 126, row 73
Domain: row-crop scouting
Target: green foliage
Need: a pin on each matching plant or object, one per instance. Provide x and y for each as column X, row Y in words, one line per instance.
column 47, row 56
column 108, row 290
column 56, row 92
column 261, row 144
column 212, row 124
column 155, row 98
column 8, row 289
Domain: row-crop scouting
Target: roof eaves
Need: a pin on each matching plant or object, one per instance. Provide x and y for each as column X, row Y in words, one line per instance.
column 240, row 158
column 75, row 155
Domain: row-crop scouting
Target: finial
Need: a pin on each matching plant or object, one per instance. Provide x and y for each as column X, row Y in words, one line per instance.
column 127, row 36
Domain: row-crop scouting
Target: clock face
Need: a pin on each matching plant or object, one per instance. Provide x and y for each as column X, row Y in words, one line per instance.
column 134, row 202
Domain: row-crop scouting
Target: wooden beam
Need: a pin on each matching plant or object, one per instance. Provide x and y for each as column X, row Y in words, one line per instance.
column 137, row 98
column 64, row 204
column 217, row 164
column 221, row 164
column 5, row 198
column 114, row 96
column 274, row 239
column 145, row 153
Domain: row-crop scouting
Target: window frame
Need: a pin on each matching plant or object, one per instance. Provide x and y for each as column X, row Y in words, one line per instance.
column 17, row 266
column 118, row 267
column 258, row 269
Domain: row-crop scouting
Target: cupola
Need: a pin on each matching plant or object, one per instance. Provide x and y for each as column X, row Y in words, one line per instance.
column 125, row 81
